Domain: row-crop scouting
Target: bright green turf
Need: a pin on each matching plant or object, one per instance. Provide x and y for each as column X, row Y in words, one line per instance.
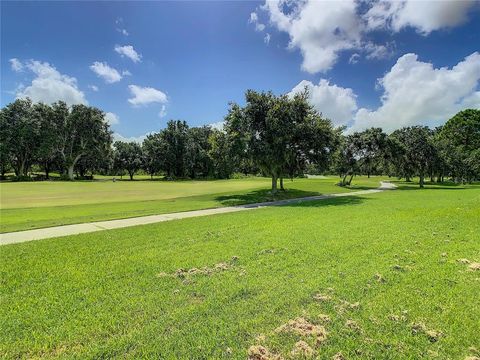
column 98, row 295
column 41, row 204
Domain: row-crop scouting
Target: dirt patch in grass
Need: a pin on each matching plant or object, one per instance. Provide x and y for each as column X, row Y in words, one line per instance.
column 421, row 328
column 303, row 327
column 259, row 352
column 474, row 266
column 339, row 356
column 345, row 305
column 302, row 349
column 206, row 270
column 353, row 325
column 322, row 297
column 379, row 278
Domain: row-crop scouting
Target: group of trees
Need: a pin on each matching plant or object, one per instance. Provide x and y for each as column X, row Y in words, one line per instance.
column 55, row 137
column 276, row 136
column 178, row 151
column 452, row 150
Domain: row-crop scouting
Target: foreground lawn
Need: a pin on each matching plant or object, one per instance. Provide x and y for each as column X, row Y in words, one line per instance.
column 42, row 204
column 120, row 293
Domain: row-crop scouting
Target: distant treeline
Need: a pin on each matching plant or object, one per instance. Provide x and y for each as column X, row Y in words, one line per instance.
column 276, row 136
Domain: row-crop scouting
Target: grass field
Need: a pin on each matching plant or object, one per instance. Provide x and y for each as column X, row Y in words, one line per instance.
column 382, row 267
column 49, row 203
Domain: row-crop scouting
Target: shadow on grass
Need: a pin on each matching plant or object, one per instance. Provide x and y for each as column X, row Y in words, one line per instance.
column 403, row 185
column 292, row 197
column 335, row 201
column 263, row 195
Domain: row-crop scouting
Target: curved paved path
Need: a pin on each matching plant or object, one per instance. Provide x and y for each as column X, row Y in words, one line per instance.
column 64, row 230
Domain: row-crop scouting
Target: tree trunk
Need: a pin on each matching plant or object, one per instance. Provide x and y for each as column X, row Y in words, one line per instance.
column 274, row 184
column 131, row 175
column 70, row 171
column 47, row 172
column 350, row 180
column 407, row 178
column 422, row 180
column 368, row 175
column 281, row 184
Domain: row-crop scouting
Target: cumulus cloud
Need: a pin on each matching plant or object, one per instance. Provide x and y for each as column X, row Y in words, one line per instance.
column 137, row 139
column 126, row 73
column 49, row 85
column 107, row 73
column 322, row 30
column 334, row 102
column 219, row 125
column 16, row 65
column 93, row 87
column 129, row 52
column 112, row 118
column 146, row 95
column 424, row 16
column 414, row 92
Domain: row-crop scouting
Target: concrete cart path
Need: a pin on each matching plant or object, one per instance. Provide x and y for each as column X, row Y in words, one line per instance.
column 64, row 230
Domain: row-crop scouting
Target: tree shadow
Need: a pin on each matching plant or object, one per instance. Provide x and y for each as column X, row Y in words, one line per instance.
column 262, row 195
column 292, row 197
column 402, row 185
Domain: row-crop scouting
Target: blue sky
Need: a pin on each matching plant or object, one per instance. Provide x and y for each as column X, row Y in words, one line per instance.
column 190, row 59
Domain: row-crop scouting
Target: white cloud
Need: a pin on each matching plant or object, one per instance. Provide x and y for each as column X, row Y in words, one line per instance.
column 16, row 65
column 49, row 85
column 107, row 73
column 146, row 95
column 424, row 16
column 163, row 111
column 417, row 93
column 126, row 73
column 93, row 87
column 379, row 52
column 334, row 102
column 322, row 30
column 266, row 38
column 254, row 20
column 354, row 58
column 123, row 32
column 129, row 52
column 219, row 125
column 112, row 118
column 137, row 139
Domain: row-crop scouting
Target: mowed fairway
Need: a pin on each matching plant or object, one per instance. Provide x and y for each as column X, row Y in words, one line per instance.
column 42, row 204
column 120, row 293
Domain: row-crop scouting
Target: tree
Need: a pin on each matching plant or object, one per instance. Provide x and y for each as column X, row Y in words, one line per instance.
column 83, row 131
column 344, row 162
column 417, row 150
column 280, row 134
column 48, row 138
column 460, row 136
column 174, row 138
column 128, row 156
column 20, row 134
column 153, row 149
column 369, row 146
column 220, row 154
column 197, row 162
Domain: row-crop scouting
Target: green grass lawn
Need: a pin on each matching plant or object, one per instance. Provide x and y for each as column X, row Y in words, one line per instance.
column 119, row 293
column 31, row 205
